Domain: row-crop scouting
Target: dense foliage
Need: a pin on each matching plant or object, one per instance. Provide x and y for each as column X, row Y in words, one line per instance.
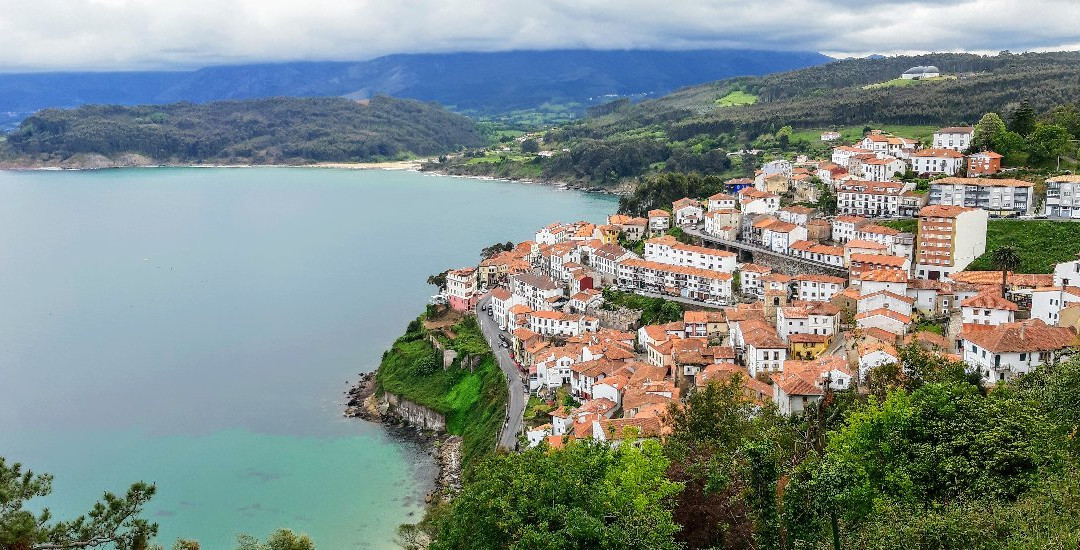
column 264, row 131
column 653, row 310
column 587, row 496
column 927, row 458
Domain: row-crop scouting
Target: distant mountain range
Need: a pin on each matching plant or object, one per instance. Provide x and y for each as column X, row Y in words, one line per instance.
column 480, row 84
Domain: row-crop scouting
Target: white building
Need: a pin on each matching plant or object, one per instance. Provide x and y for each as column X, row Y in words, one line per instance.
column 844, row 227
column 987, row 309
column 722, row 201
column 659, row 221
column 764, row 351
column 687, row 282
column 1063, row 197
column 779, row 236
column 668, row 250
column 819, row 318
column 937, row 161
column 758, row 202
column 996, row 196
column 882, row 169
column 1047, row 303
column 955, row 138
column 871, row 198
column 1009, row 350
column 687, row 212
column 875, row 354
column 820, row 288
column 792, row 394
column 557, row 323
column 534, row 291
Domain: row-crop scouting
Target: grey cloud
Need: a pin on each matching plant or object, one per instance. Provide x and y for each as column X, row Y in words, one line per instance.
column 138, row 34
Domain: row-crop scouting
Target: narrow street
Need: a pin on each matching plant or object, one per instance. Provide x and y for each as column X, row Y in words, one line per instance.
column 508, row 439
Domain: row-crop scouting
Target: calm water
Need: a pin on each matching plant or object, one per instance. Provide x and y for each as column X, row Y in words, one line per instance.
column 195, row 328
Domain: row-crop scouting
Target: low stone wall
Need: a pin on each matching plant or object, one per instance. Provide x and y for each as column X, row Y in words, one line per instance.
column 417, row 416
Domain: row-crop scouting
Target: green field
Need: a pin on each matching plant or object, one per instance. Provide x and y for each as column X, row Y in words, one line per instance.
column 851, row 134
column 1041, row 244
column 473, row 402
column 900, row 82
column 735, row 98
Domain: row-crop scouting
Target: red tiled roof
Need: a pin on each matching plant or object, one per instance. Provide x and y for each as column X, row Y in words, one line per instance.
column 988, row 300
column 1024, row 336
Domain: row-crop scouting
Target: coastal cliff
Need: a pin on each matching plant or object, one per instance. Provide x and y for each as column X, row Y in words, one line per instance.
column 438, row 382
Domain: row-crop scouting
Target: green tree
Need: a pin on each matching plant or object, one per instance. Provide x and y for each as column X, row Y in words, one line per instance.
column 1047, row 142
column 438, row 279
column 987, row 130
column 1007, row 259
column 112, row 521
column 282, row 539
column 826, row 202
column 1022, row 120
column 670, row 312
column 586, row 495
column 1012, row 147
column 530, row 146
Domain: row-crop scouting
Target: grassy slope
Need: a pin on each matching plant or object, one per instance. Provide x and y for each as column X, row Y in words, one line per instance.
column 737, row 97
column 473, row 402
column 1041, row 243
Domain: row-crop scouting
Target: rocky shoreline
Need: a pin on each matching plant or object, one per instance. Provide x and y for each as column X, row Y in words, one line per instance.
column 363, row 403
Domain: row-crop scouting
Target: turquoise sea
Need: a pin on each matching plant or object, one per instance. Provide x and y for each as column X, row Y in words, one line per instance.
column 197, row 328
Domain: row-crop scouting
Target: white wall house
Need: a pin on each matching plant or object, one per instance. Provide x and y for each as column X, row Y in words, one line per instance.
column 819, row 288
column 753, row 201
column 722, row 201
column 987, row 309
column 957, row 138
column 882, row 169
column 937, row 161
column 1047, row 303
column 687, row 211
column 1009, row 350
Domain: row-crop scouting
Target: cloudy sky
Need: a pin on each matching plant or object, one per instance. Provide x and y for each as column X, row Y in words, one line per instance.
column 141, row 34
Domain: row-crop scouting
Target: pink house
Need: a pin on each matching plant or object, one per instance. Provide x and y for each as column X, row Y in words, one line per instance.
column 461, row 288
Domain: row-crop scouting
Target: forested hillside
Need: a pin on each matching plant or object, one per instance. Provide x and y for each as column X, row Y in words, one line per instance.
column 517, row 85
column 834, row 95
column 694, row 129
column 263, row 131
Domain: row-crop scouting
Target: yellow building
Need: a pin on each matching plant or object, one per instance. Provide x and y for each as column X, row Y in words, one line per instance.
column 808, row 346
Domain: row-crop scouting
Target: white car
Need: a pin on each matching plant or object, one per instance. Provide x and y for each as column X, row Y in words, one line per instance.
column 502, row 327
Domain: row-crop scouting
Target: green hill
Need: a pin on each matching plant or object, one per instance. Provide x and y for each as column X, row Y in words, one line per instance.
column 694, row 129
column 261, row 131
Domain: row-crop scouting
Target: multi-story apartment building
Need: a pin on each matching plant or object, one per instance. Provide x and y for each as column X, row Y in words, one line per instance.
column 871, row 198
column 688, row 282
column 1063, row 197
column 937, row 161
column 668, row 250
column 957, row 138
column 949, row 238
column 534, row 291
column 998, row 197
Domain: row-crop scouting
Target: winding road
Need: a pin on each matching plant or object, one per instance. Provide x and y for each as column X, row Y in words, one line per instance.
column 508, row 439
